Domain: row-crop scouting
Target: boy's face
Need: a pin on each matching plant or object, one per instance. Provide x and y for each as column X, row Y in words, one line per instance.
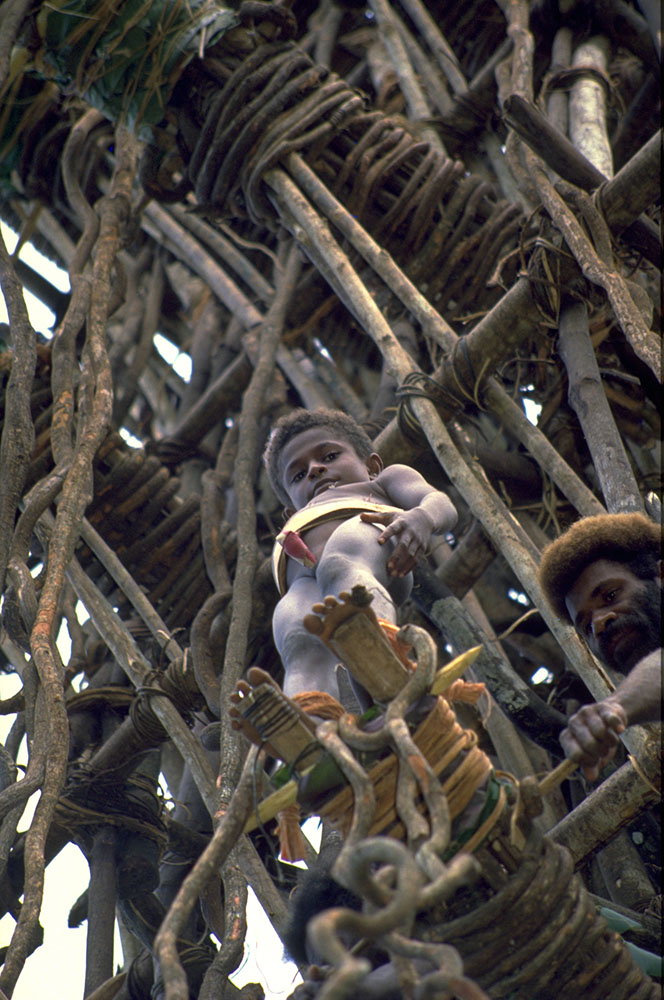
column 318, row 459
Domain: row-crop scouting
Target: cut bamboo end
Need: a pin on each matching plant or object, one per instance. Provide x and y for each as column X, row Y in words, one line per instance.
column 454, row 670
column 557, row 776
column 271, row 806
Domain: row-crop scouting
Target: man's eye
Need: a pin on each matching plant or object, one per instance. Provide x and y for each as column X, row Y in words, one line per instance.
column 610, row 596
column 330, row 457
column 298, row 476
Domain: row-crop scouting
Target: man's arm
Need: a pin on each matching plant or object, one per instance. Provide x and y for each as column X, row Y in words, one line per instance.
column 592, row 735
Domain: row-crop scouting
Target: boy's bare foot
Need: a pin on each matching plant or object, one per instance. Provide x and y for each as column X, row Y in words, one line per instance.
column 243, row 690
column 260, row 704
column 329, row 614
column 349, row 627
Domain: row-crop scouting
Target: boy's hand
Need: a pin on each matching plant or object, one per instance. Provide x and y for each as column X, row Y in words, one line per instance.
column 413, row 529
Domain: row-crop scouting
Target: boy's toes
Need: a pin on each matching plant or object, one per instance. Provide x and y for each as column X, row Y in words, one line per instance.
column 241, row 690
column 256, row 676
column 313, row 623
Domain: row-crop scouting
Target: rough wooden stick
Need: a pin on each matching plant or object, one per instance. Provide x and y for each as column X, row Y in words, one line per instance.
column 587, row 398
column 516, row 422
column 608, row 809
column 130, row 589
column 245, row 466
column 327, row 34
column 433, row 86
column 444, row 54
column 315, row 238
column 587, row 105
column 418, row 108
column 18, row 436
column 101, row 909
column 223, row 394
column 634, row 188
column 556, row 103
column 138, row 668
column 161, row 225
column 432, row 323
column 622, row 200
column 550, row 144
column 463, row 566
column 185, row 248
column 597, row 264
column 221, row 246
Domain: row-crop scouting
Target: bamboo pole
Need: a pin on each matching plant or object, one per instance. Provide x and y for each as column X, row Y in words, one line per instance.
column 101, row 909
column 606, row 811
column 418, row 108
column 588, row 399
column 587, row 105
column 587, row 126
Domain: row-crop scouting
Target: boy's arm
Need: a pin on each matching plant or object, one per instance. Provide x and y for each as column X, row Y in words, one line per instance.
column 425, row 511
column 406, row 488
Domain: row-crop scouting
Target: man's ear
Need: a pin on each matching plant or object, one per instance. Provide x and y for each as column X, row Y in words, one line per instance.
column 374, row 464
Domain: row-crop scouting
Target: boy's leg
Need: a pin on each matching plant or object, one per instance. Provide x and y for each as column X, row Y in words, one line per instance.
column 308, row 664
column 353, row 556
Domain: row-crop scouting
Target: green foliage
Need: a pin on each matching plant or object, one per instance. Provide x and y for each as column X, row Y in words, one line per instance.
column 125, row 58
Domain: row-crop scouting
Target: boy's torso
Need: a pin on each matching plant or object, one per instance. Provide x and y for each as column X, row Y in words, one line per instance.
column 370, row 492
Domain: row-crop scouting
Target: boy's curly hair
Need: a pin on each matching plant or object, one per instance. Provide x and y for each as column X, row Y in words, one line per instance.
column 301, row 420
column 632, row 539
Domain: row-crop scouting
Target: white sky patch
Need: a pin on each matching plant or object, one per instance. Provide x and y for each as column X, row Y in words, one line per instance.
column 130, row 438
column 264, row 956
column 179, row 361
column 263, row 950
column 542, row 676
column 518, row 596
column 322, row 349
column 41, row 317
column 532, row 410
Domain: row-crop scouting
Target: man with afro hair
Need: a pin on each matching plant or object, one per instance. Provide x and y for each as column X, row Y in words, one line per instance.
column 604, row 575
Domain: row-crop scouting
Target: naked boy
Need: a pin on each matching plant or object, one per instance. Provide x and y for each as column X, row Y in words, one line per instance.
column 355, row 522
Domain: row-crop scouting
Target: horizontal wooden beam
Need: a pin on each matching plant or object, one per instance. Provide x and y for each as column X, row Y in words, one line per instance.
column 606, row 811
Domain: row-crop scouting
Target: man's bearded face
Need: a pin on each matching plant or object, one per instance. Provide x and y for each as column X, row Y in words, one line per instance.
column 618, row 614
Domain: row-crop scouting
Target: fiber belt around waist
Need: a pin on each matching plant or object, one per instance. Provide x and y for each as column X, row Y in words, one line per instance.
column 311, row 517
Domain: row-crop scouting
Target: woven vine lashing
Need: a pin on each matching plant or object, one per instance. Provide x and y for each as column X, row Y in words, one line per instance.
column 437, row 220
